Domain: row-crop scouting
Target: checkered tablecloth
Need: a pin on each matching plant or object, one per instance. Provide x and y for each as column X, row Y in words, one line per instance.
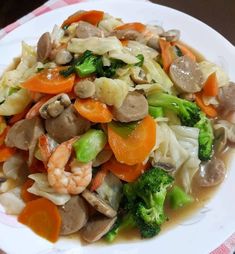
column 228, row 247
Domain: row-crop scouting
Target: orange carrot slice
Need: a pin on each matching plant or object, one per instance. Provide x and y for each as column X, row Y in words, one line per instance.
column 208, row 110
column 6, row 152
column 43, row 217
column 123, row 171
column 50, row 81
column 139, row 27
column 211, row 87
column 93, row 110
column 25, row 195
column 166, row 53
column 93, row 17
column 136, row 147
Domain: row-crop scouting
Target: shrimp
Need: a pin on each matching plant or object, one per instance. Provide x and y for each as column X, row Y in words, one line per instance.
column 64, row 182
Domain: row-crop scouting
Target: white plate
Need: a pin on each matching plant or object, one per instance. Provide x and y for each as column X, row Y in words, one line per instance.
column 207, row 230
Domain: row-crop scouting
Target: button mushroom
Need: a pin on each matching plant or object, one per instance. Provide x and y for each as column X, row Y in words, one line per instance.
column 44, row 47
column 74, row 215
column 97, row 227
column 63, row 56
column 86, row 30
column 55, row 106
column 67, row 125
column 133, row 108
column 188, row 96
column 186, row 75
column 84, row 88
column 226, row 97
column 138, row 76
column 24, row 135
column 171, row 35
column 212, row 173
column 99, row 204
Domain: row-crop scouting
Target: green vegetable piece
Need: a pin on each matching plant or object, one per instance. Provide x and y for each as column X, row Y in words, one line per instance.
column 178, row 198
column 178, row 51
column 141, row 58
column 156, row 112
column 123, row 129
column 206, row 138
column 89, row 145
column 121, row 224
column 187, row 111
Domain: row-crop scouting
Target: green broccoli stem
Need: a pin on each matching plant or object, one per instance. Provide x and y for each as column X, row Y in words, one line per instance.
column 156, row 112
column 127, row 222
column 187, row 111
column 178, row 198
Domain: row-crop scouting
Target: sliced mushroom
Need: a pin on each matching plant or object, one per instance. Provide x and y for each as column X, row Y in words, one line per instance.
column 63, row 56
column 171, row 35
column 134, row 108
column 55, row 106
column 15, row 167
column 84, row 88
column 153, row 42
column 74, row 215
column 127, row 34
column 224, row 132
column 97, row 227
column 99, row 204
column 186, row 75
column 111, row 190
column 86, row 30
column 168, row 167
column 212, row 173
column 102, row 157
column 67, row 125
column 24, row 135
column 226, row 97
column 152, row 36
column 44, row 47
column 138, row 76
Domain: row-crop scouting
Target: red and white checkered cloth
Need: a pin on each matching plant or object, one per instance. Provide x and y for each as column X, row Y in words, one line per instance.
column 48, row 6
column 228, row 247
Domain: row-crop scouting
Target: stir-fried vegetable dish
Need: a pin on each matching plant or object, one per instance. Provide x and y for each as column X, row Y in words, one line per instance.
column 104, row 124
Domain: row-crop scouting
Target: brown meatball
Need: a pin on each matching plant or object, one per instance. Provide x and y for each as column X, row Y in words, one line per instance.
column 226, row 97
column 74, row 215
column 67, row 125
column 97, row 227
column 86, row 30
column 186, row 75
column 212, row 173
column 44, row 47
column 134, row 108
column 84, row 88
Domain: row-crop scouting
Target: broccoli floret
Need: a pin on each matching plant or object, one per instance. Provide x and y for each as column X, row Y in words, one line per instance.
column 147, row 230
column 145, row 200
column 87, row 67
column 206, row 137
column 187, row 111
